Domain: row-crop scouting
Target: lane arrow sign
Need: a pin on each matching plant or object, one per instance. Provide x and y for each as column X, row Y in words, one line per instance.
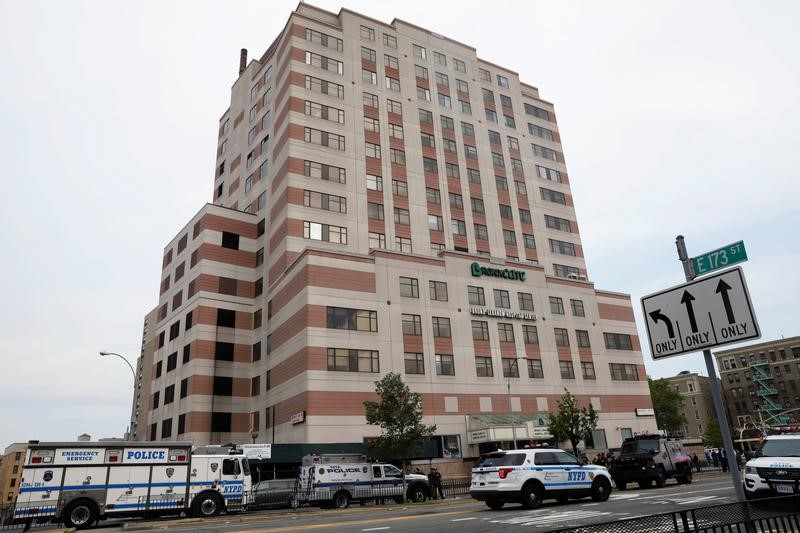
column 658, row 315
column 722, row 290
column 686, row 299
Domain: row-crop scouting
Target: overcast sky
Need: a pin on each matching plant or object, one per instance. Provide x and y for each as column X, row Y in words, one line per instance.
column 676, row 117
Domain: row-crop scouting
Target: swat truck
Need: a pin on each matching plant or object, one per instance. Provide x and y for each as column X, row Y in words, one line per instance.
column 648, row 459
column 79, row 483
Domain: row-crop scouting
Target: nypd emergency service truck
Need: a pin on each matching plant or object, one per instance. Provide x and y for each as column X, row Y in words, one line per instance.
column 80, row 483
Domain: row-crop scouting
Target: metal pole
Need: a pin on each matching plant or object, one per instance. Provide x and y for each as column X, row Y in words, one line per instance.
column 132, row 427
column 719, row 405
column 511, row 410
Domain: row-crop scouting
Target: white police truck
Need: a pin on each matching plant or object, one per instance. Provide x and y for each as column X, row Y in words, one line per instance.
column 775, row 469
column 80, row 483
column 531, row 475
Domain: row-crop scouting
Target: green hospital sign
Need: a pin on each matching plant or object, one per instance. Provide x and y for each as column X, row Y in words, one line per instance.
column 505, row 273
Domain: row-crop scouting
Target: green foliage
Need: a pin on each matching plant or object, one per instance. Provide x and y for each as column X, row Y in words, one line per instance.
column 667, row 404
column 712, row 436
column 399, row 414
column 571, row 422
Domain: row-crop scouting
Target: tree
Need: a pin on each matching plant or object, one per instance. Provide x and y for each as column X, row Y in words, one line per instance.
column 712, row 436
column 571, row 422
column 399, row 415
column 667, row 404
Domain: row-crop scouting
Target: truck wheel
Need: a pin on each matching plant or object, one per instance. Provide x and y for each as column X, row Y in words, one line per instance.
column 685, row 480
column 621, row 485
column 341, row 500
column 661, row 480
column 601, row 489
column 532, row 494
column 207, row 505
column 80, row 514
column 495, row 505
column 417, row 494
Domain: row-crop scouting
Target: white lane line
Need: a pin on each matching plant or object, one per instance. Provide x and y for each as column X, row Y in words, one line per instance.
column 376, row 528
column 462, row 519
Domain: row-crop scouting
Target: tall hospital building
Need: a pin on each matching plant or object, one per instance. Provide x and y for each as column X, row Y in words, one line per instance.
column 383, row 201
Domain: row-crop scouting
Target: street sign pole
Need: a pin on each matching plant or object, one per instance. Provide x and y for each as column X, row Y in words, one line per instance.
column 719, row 406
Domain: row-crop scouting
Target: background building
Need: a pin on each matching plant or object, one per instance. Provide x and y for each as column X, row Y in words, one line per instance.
column 759, row 382
column 11, row 472
column 384, row 200
column 698, row 404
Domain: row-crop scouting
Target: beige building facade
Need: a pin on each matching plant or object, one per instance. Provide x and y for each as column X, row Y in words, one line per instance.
column 11, row 472
column 384, row 201
column 698, row 403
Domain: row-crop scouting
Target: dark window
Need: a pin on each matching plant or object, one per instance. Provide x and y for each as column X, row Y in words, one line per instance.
column 618, row 341
column 175, row 330
column 257, row 352
column 159, row 368
column 172, row 361
column 169, row 394
column 184, row 388
column 227, row 286
column 153, row 434
column 189, row 323
column 181, row 424
column 161, row 339
column 220, row 422
column 226, row 318
column 259, row 286
column 230, row 240
column 223, row 386
column 156, row 398
column 223, row 351
column 261, row 228
column 186, row 353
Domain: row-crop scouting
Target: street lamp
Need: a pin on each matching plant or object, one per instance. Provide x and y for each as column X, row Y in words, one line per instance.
column 133, row 372
column 510, row 408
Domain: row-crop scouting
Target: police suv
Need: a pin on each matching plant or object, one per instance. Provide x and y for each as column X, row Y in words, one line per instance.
column 775, row 470
column 532, row 475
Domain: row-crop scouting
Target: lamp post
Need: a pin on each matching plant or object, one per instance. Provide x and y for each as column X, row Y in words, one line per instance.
column 510, row 407
column 133, row 372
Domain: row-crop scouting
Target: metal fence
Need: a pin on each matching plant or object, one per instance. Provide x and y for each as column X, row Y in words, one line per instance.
column 776, row 515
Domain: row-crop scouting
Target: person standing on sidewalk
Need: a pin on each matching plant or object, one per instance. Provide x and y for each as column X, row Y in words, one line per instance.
column 435, row 480
column 696, row 462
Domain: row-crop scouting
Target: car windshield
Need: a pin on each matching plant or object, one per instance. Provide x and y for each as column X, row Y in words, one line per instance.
column 780, row 448
column 502, row 459
column 640, row 446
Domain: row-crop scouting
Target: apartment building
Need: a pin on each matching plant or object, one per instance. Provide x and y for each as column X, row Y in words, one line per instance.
column 759, row 382
column 11, row 464
column 698, row 403
column 384, row 200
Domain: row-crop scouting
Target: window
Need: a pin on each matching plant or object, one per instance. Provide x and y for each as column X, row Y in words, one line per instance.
column 324, row 232
column 403, row 244
column 412, row 324
column 583, row 338
column 451, row 169
column 623, row 372
column 562, row 337
column 367, row 33
column 509, row 121
column 396, row 131
column 414, row 363
column 441, row 327
column 395, row 107
column 172, row 361
column 349, row 360
column 438, row 290
column 546, row 153
column 447, row 123
column 516, row 166
column 537, row 111
column 389, row 41
column 409, row 287
column 374, row 183
column 442, row 79
column 483, row 367
column 567, row 371
column 419, row 51
column 530, row 334
column 445, row 365
column 324, row 40
column 444, row 101
column 328, row 202
column 423, row 94
column 561, row 224
column 324, row 138
column 553, row 196
column 528, row 241
column 377, row 240
column 390, row 61
column 397, row 156
column 393, row 84
column 481, row 232
column 324, row 172
column 525, row 301
column 548, row 174
column 505, row 331
column 525, row 216
column 367, row 76
column 476, row 296
column 480, row 330
column 510, row 367
column 433, row 195
column 467, row 129
column 223, row 386
column 372, row 124
column 166, row 428
column 175, row 329
column 401, row 216
column 491, row 115
column 535, row 369
column 565, row 271
column 324, row 63
column 458, row 227
column 169, row 394
column 502, row 81
column 324, row 112
column 436, row 248
column 562, row 247
column 220, row 422
column 501, row 298
column 428, row 140
column 539, row 131
column 556, row 305
column 400, row 188
column 456, row 200
column 465, row 107
column 617, row 341
column 352, row 319
column 370, row 100
column 372, row 150
column 439, row 59
column 577, row 307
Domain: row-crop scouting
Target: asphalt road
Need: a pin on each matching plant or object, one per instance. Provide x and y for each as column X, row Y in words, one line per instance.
column 463, row 514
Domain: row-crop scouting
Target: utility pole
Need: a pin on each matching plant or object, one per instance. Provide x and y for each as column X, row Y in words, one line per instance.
column 719, row 406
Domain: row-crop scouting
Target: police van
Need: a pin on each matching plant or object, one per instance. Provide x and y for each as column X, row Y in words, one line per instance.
column 335, row 480
column 80, row 483
column 775, row 469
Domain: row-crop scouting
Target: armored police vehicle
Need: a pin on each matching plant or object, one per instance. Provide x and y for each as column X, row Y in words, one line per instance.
column 648, row 459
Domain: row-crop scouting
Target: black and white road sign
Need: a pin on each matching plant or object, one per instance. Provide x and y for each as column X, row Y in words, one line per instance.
column 701, row 314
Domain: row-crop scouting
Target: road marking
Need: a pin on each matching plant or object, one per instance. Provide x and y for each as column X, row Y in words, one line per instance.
column 350, row 522
column 540, row 519
column 626, row 496
column 376, row 528
column 462, row 519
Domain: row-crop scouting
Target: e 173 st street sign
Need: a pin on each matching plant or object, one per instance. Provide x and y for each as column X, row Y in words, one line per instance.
column 719, row 258
column 700, row 314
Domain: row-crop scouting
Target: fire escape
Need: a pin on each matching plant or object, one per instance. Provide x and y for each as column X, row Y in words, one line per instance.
column 768, row 394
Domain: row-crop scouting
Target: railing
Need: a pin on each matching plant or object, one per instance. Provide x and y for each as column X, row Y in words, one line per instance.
column 37, row 514
column 764, row 516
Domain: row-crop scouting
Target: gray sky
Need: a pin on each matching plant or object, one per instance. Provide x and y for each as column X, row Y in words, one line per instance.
column 676, row 117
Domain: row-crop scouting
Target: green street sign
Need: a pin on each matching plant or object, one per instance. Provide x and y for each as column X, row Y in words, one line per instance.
column 719, row 258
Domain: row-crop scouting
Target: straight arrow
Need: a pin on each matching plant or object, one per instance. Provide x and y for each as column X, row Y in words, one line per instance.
column 687, row 300
column 658, row 315
column 722, row 290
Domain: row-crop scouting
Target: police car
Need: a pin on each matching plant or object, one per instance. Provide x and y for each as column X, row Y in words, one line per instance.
column 775, row 470
column 532, row 475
